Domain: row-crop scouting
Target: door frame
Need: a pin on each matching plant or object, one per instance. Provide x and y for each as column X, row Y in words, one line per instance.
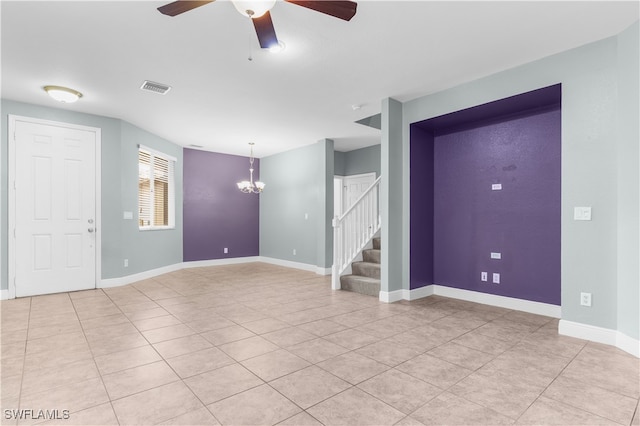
column 11, row 201
column 345, row 180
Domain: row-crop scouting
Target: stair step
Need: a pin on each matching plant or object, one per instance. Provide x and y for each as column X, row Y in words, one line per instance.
column 360, row 284
column 366, row 269
column 376, row 243
column 371, row 255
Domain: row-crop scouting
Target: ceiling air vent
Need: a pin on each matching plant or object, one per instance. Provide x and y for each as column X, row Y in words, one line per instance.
column 150, row 86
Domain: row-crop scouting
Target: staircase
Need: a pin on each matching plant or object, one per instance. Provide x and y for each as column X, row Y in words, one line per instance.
column 365, row 276
column 353, row 233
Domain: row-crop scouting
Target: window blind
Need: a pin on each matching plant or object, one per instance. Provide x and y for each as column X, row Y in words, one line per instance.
column 155, row 189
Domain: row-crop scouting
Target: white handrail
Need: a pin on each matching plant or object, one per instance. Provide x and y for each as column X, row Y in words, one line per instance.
column 354, row 229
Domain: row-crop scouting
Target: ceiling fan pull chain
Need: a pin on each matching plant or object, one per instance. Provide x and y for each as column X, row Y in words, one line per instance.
column 250, row 58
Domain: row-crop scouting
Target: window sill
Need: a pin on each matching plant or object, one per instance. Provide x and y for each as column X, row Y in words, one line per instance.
column 156, row 228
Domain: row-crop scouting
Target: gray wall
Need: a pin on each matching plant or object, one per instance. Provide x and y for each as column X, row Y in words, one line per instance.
column 358, row 161
column 599, row 155
column 338, row 163
column 298, row 182
column 120, row 238
column 394, row 199
column 145, row 250
column 628, row 178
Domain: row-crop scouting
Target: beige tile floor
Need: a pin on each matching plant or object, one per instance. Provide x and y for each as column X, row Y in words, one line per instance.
column 257, row 344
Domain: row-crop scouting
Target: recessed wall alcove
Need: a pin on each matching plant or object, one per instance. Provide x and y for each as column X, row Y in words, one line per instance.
column 458, row 218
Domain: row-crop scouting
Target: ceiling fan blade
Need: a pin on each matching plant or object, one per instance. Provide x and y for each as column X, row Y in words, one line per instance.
column 340, row 9
column 181, row 6
column 265, row 31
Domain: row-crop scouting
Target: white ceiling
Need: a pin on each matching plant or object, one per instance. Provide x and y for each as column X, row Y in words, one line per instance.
column 221, row 100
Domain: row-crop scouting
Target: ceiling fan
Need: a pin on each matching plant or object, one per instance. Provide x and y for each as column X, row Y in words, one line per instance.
column 258, row 11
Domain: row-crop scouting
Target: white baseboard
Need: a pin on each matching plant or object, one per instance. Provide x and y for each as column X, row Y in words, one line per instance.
column 219, row 262
column 391, row 296
column 538, row 308
column 628, row 344
column 600, row 335
column 473, row 296
column 394, row 296
column 4, row 294
column 323, row 271
column 129, row 279
column 420, row 292
column 295, row 265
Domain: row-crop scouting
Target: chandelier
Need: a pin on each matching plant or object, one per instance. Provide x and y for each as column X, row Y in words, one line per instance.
column 248, row 186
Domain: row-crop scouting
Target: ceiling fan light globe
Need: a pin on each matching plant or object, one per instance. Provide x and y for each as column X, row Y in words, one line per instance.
column 253, row 8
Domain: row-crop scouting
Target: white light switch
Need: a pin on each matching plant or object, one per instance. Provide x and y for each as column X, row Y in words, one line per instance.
column 582, row 213
column 496, row 278
column 127, row 215
column 496, row 187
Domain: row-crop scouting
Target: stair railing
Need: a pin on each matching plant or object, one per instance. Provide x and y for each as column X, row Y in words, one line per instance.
column 354, row 229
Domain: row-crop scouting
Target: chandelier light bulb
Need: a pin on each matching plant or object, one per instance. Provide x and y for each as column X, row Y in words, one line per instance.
column 249, row 186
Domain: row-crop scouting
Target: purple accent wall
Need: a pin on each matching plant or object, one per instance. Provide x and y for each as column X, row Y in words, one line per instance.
column 216, row 213
column 522, row 221
column 421, row 210
column 521, row 151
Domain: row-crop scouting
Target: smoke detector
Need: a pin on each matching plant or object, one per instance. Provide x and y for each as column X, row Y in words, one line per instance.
column 151, row 86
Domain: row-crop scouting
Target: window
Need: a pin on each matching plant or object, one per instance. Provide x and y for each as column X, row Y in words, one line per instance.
column 156, row 205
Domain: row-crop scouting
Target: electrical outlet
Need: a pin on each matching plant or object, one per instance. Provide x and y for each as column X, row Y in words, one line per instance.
column 582, row 213
column 126, row 263
column 483, row 276
column 585, row 299
column 294, row 252
column 496, row 278
column 226, row 250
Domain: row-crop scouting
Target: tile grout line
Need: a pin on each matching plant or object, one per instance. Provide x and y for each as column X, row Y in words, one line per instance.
column 93, row 358
column 24, row 356
column 180, row 379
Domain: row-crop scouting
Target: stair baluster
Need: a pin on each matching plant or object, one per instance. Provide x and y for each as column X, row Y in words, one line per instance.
column 353, row 230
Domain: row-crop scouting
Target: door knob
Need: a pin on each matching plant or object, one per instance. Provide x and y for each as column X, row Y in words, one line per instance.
column 90, row 229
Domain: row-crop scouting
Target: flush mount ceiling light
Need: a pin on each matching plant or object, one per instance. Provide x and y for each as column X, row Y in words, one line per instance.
column 248, row 186
column 63, row 94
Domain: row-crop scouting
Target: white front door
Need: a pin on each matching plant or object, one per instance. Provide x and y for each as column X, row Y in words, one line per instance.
column 55, row 208
column 354, row 186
